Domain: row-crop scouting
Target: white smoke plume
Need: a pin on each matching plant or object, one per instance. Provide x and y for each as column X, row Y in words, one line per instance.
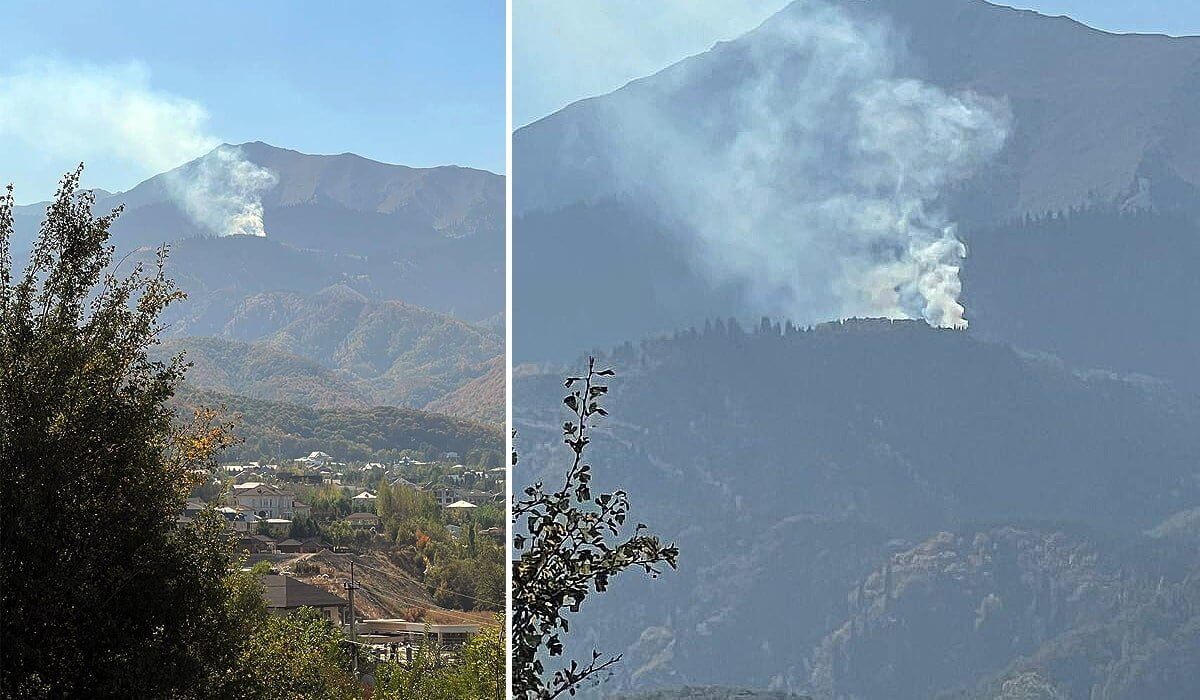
column 112, row 119
column 809, row 172
column 222, row 191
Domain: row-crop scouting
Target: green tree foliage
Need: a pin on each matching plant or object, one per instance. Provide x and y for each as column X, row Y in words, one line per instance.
column 568, row 552
column 302, row 528
column 327, row 501
column 299, row 656
column 463, row 573
column 384, row 505
column 489, row 515
column 339, row 533
column 468, row 580
column 100, row 595
column 476, row 672
column 409, row 503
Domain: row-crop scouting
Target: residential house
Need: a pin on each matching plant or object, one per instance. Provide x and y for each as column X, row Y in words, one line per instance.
column 267, row 501
column 362, row 520
column 364, row 502
column 311, row 478
column 472, row 496
column 239, row 519
column 311, row 545
column 461, row 507
column 445, row 495
column 288, row 546
column 193, row 507
column 401, row 481
column 315, row 459
column 285, row 594
column 256, row 544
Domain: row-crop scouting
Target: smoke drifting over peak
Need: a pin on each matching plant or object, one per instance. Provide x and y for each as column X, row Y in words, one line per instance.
column 222, row 192
column 109, row 116
column 807, row 171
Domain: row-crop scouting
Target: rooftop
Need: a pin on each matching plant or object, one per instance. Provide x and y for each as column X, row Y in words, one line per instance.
column 287, row 593
column 362, row 516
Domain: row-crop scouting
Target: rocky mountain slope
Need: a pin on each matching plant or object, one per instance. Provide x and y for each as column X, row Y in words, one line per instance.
column 482, row 399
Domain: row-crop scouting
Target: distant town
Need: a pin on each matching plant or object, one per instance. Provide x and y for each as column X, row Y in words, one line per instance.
column 308, row 522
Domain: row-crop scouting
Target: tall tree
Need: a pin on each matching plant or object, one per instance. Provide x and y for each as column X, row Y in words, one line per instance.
column 384, row 505
column 570, row 548
column 101, row 595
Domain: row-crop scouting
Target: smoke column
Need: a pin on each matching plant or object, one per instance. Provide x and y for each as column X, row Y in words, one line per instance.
column 112, row 115
column 222, row 191
column 808, row 171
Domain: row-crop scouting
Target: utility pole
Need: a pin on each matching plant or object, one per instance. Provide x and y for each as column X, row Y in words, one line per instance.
column 350, row 588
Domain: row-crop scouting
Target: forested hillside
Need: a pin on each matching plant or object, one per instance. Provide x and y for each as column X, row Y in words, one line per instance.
column 273, row 430
column 880, row 509
column 383, row 353
column 482, row 399
column 1099, row 287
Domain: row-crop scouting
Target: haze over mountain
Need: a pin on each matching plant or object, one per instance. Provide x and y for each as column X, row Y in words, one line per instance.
column 881, row 510
column 432, row 237
column 1099, row 123
column 1094, row 113
column 886, row 511
column 364, row 289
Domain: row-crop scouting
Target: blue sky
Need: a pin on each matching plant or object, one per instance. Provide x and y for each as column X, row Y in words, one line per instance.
column 559, row 57
column 418, row 83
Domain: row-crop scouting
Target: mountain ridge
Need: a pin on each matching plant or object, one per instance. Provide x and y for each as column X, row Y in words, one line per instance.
column 986, row 40
column 360, row 351
column 433, row 237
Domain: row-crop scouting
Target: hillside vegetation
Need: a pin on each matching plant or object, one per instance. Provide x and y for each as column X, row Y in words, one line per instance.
column 481, row 399
column 284, row 430
column 261, row 371
column 338, row 349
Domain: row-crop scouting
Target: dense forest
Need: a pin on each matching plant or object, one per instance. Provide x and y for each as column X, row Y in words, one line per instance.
column 1098, row 286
